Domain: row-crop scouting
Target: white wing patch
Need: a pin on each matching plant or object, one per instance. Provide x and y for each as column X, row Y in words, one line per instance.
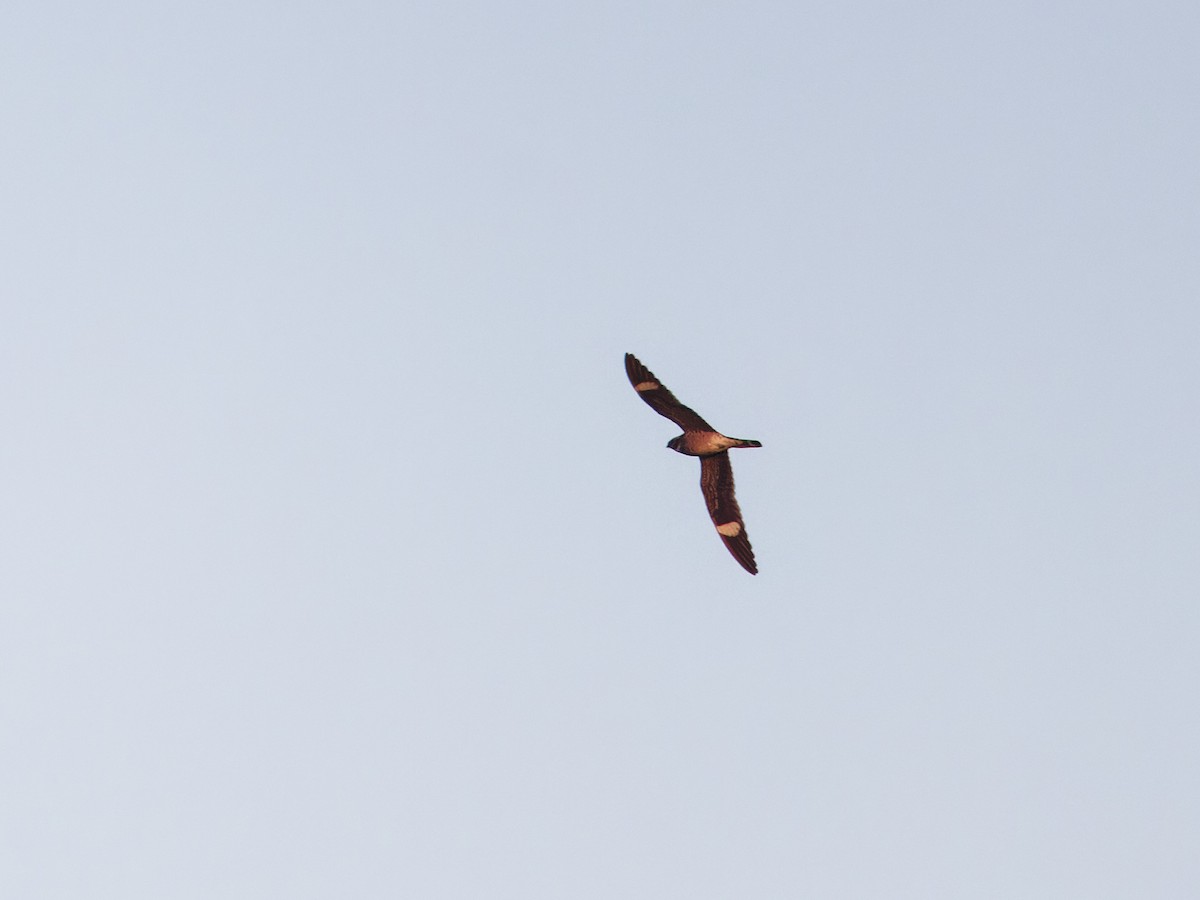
column 647, row 386
column 730, row 529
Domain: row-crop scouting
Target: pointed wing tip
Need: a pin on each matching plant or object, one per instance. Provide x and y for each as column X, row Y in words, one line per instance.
column 747, row 561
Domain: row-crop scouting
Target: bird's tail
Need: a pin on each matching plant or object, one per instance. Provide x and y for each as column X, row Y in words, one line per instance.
column 741, row 442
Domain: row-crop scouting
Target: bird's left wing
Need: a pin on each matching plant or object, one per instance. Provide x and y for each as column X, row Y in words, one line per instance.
column 661, row 400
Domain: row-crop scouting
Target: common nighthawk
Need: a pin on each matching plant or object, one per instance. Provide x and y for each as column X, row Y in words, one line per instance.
column 702, row 440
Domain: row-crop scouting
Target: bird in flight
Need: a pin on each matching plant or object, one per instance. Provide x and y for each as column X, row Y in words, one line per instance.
column 702, row 440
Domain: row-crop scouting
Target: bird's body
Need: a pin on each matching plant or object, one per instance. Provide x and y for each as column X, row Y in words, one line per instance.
column 702, row 440
column 706, row 443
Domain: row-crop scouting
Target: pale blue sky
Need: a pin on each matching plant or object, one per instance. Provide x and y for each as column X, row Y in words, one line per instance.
column 339, row 559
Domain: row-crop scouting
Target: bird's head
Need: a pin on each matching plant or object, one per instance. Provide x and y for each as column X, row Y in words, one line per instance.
column 676, row 443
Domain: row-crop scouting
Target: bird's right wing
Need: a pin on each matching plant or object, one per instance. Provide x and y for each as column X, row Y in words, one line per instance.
column 661, row 400
column 716, row 482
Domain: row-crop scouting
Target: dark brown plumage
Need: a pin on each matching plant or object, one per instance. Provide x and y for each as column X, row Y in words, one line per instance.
column 661, row 400
column 702, row 440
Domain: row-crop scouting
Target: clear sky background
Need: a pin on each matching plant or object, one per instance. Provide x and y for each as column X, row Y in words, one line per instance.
column 339, row 559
